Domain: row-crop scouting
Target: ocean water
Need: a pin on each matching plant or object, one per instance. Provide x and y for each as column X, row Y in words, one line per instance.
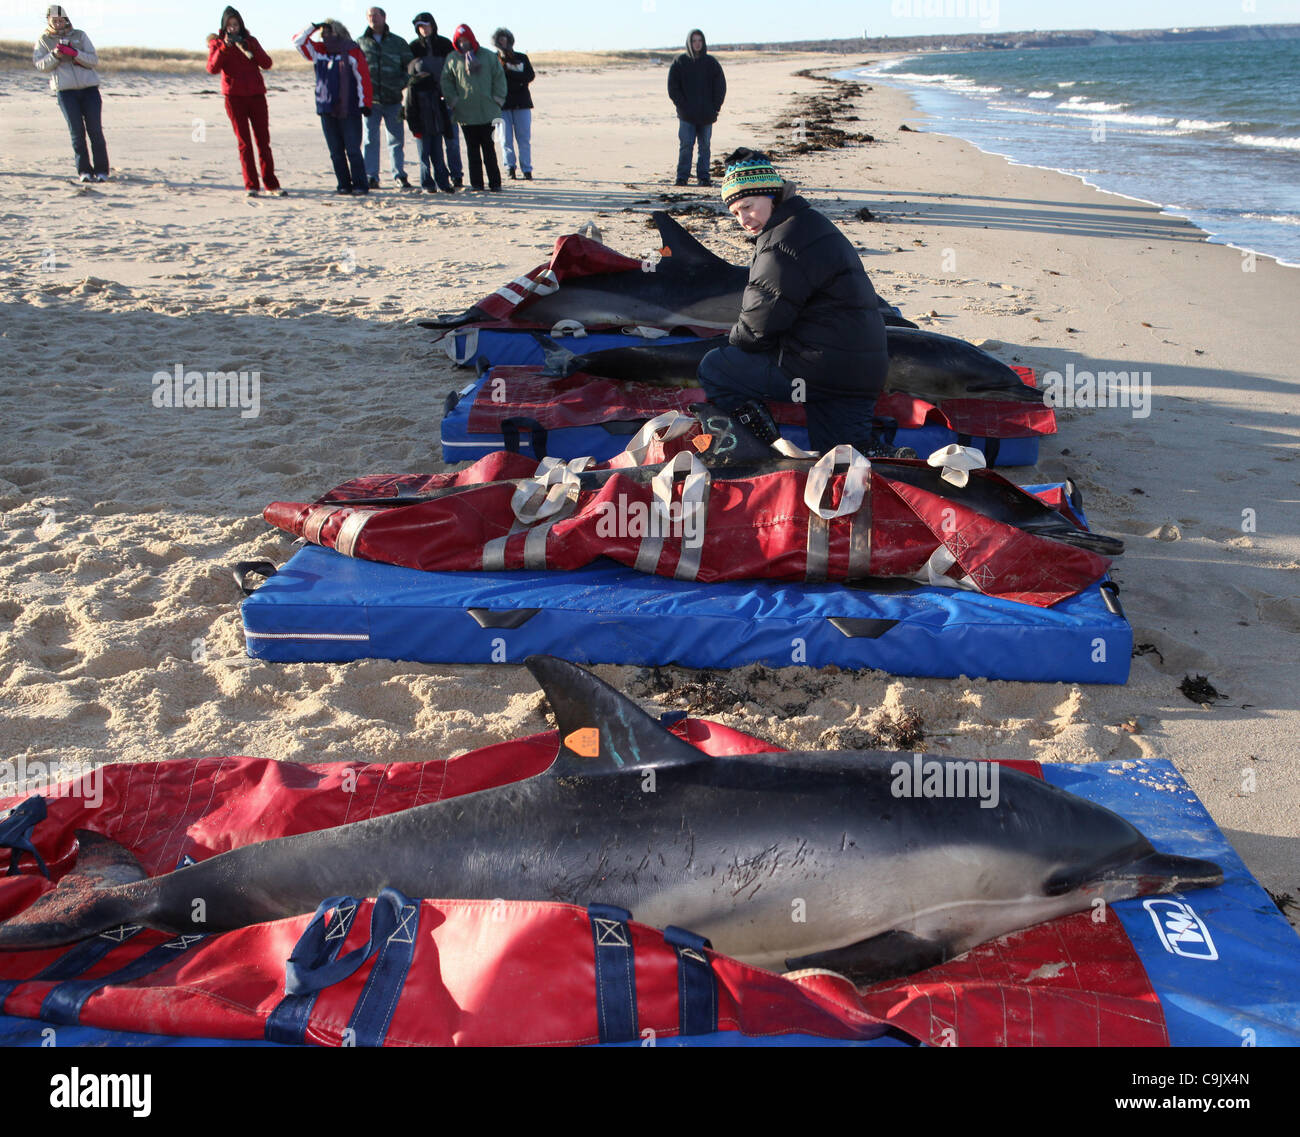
column 1208, row 131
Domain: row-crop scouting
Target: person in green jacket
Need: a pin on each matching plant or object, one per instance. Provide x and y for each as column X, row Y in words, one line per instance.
column 387, row 56
column 474, row 88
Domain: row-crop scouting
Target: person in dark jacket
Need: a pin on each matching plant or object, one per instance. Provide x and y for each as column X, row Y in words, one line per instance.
column 427, row 112
column 517, row 113
column 235, row 55
column 697, row 88
column 343, row 96
column 387, row 56
column 809, row 329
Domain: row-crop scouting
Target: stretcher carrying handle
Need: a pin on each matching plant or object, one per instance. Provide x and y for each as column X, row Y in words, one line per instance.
column 16, row 833
column 244, row 569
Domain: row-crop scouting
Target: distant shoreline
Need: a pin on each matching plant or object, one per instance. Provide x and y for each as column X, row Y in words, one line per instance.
column 15, row 54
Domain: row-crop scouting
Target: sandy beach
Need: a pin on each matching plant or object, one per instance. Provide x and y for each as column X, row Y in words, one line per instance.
column 120, row 637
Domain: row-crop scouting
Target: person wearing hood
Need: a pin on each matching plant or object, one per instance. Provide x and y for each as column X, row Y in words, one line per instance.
column 235, row 55
column 343, row 96
column 68, row 56
column 474, row 86
column 427, row 113
column 387, row 56
column 809, row 329
column 697, row 88
column 517, row 113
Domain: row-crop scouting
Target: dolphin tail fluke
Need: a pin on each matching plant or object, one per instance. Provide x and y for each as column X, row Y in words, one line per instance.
column 602, row 731
column 558, row 360
column 445, row 323
column 97, row 895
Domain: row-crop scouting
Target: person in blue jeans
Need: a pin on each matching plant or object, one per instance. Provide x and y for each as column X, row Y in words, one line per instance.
column 427, row 113
column 517, row 112
column 387, row 56
column 68, row 56
column 343, row 95
column 697, row 88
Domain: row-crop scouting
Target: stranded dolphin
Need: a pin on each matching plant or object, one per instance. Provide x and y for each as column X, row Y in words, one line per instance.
column 688, row 287
column 893, row 878
column 928, row 364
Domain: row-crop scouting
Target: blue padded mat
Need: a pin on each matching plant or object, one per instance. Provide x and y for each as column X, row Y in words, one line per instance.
column 517, row 348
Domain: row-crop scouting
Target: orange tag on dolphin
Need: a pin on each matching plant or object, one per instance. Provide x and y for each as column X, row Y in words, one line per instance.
column 584, row 741
column 702, row 442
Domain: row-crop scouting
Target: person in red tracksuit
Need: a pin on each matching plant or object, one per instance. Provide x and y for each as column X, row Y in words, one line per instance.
column 240, row 60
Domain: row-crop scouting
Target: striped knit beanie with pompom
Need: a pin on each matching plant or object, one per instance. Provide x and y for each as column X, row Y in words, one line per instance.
column 749, row 173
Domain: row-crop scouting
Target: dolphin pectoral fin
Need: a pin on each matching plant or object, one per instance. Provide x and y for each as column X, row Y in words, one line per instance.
column 558, row 360
column 602, row 731
column 90, row 899
column 886, row 956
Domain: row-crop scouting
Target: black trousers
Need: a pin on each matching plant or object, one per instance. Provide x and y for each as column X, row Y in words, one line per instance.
column 482, row 151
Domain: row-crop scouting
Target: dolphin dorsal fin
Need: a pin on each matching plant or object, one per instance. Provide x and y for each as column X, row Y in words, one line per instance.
column 730, row 443
column 686, row 253
column 601, row 731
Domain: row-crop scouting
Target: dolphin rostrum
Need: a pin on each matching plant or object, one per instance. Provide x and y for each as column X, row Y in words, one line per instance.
column 890, row 877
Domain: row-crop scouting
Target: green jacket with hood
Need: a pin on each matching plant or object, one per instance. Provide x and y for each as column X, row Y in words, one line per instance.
column 474, row 97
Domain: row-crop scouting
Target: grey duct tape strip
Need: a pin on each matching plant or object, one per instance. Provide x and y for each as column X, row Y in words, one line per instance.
column 819, row 549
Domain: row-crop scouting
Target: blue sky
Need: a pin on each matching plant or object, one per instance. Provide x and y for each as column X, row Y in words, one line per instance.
column 581, row 25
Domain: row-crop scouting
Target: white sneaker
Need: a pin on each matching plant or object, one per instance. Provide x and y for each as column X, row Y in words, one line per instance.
column 86, row 178
column 101, row 177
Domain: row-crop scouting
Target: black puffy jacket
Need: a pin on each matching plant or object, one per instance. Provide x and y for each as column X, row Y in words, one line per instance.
column 696, row 84
column 809, row 299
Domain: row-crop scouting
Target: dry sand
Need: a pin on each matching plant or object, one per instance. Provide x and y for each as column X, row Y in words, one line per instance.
column 120, row 638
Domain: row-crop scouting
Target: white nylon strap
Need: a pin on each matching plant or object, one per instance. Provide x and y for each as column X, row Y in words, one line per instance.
column 544, row 284
column 788, row 449
column 694, row 506
column 855, row 481
column 316, row 522
column 543, row 495
column 644, row 332
column 350, row 531
column 935, row 568
column 461, row 356
column 957, row 462
column 661, row 428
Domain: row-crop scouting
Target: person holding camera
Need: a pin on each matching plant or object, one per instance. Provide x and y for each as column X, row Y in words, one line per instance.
column 343, row 96
column 69, row 56
column 235, row 55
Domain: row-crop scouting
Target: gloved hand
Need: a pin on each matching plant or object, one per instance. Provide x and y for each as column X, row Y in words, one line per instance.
column 66, row 51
